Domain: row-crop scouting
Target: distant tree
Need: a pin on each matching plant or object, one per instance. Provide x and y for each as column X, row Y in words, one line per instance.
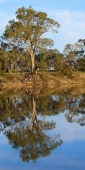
column 12, row 58
column 72, row 52
column 27, row 30
column 4, row 57
column 47, row 60
column 82, row 42
column 81, row 64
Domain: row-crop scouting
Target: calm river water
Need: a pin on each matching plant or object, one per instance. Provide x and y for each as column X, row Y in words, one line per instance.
column 42, row 129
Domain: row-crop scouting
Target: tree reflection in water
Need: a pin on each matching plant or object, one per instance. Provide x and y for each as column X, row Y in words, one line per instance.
column 24, row 130
column 23, row 119
column 75, row 106
column 33, row 143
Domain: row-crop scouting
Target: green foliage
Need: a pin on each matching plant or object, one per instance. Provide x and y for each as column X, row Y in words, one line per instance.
column 47, row 60
column 26, row 32
column 81, row 64
column 73, row 55
column 23, row 46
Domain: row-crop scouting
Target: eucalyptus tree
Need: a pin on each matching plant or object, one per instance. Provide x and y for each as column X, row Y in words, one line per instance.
column 47, row 60
column 82, row 42
column 74, row 51
column 71, row 53
column 81, row 59
column 4, row 58
column 27, row 30
column 81, row 64
column 12, row 58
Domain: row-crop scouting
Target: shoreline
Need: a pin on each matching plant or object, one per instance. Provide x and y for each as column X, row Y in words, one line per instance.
column 10, row 81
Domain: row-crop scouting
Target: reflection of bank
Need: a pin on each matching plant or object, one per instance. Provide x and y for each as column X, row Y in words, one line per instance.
column 29, row 135
column 75, row 109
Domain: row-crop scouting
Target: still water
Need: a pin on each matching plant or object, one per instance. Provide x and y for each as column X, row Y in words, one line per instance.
column 42, row 129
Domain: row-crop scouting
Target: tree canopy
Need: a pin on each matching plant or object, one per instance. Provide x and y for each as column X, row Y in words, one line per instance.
column 27, row 30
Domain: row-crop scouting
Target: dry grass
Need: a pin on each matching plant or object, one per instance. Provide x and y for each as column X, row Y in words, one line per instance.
column 47, row 79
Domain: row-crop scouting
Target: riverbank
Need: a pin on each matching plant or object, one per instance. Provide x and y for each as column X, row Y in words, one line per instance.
column 20, row 80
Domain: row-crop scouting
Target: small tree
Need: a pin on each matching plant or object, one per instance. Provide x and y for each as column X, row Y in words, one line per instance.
column 27, row 30
column 71, row 52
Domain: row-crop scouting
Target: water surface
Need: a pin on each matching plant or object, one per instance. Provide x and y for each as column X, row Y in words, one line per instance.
column 42, row 129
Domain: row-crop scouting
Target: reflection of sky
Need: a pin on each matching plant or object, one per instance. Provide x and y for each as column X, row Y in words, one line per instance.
column 70, row 155
column 68, row 131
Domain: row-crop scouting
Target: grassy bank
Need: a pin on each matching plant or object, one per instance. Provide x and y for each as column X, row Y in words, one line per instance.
column 46, row 78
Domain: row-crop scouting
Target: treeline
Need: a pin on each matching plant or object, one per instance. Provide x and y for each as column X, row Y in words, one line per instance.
column 17, row 60
column 22, row 47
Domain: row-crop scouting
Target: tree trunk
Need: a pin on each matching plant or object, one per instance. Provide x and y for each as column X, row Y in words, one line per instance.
column 33, row 63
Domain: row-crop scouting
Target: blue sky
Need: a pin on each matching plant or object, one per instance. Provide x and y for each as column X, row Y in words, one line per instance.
column 69, row 13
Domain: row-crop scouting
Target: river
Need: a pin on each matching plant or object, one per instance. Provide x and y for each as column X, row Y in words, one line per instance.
column 42, row 129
